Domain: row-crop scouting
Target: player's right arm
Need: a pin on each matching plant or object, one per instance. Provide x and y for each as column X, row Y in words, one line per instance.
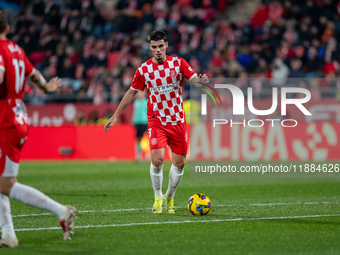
column 127, row 99
column 138, row 84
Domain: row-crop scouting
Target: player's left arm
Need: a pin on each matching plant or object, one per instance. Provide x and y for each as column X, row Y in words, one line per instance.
column 199, row 80
column 189, row 74
column 38, row 79
column 41, row 83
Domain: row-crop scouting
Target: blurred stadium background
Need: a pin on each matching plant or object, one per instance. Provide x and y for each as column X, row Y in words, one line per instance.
column 95, row 46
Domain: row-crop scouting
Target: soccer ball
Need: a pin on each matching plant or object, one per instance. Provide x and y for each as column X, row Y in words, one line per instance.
column 199, row 204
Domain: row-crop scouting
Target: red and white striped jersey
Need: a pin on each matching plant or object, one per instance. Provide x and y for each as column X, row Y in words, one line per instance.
column 16, row 66
column 164, row 85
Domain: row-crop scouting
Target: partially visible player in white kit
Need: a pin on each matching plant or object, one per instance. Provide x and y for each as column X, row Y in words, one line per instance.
column 162, row 77
column 14, row 68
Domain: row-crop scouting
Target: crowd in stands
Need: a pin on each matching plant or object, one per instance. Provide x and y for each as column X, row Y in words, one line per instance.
column 96, row 46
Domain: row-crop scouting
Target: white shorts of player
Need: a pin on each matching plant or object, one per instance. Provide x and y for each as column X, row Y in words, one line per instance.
column 11, row 168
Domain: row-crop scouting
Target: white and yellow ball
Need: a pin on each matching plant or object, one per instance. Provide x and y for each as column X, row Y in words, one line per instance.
column 199, row 204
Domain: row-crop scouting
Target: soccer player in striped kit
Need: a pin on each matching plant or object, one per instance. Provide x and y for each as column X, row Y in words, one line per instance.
column 162, row 77
column 14, row 68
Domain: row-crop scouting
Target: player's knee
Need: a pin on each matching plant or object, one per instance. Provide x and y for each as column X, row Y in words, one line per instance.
column 157, row 162
column 6, row 185
column 179, row 164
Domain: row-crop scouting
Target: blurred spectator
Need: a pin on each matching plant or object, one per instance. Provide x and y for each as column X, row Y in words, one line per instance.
column 279, row 73
column 140, row 120
column 242, row 81
column 80, row 120
column 68, row 69
column 38, row 8
column 108, row 114
column 192, row 109
column 313, row 63
column 93, row 117
column 315, row 89
column 82, row 97
column 78, row 41
column 295, row 71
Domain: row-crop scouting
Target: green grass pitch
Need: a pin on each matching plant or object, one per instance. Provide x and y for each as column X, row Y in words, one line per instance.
column 248, row 216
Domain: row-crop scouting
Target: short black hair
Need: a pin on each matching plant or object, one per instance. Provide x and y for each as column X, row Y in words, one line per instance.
column 3, row 22
column 156, row 36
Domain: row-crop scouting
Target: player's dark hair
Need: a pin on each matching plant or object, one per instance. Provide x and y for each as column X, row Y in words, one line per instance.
column 156, row 36
column 3, row 22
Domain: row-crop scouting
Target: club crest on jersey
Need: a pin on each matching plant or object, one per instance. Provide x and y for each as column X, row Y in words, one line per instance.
column 173, row 73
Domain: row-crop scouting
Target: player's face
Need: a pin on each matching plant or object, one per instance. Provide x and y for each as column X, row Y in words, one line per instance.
column 158, row 49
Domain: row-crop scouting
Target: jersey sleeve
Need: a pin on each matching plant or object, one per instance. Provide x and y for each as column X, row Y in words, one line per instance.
column 186, row 70
column 29, row 68
column 138, row 82
column 2, row 62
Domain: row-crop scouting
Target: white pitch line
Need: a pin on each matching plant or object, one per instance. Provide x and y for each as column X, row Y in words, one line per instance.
column 89, row 211
column 274, row 204
column 296, row 203
column 185, row 221
column 138, row 209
